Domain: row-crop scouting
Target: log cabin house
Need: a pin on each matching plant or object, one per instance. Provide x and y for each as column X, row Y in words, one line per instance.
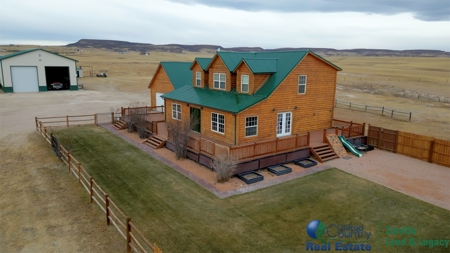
column 257, row 106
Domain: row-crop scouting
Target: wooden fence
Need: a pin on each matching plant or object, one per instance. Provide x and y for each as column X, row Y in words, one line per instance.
column 250, row 150
column 374, row 109
column 135, row 240
column 413, row 145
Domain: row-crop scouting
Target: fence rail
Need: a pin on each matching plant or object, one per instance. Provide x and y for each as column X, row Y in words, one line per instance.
column 413, row 145
column 384, row 111
column 136, row 241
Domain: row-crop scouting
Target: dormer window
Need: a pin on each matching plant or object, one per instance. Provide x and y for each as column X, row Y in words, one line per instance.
column 198, row 79
column 244, row 83
column 219, row 81
column 302, row 84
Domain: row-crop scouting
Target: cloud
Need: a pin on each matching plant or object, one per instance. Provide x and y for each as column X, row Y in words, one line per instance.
column 426, row 10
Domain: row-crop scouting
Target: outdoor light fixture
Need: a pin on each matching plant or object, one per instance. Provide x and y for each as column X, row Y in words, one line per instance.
column 274, row 109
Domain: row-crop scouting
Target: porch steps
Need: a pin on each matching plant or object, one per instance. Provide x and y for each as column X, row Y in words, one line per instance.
column 155, row 142
column 323, row 153
column 121, row 124
column 336, row 144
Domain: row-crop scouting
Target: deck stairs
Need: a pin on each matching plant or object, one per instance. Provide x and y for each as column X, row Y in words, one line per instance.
column 155, row 142
column 121, row 124
column 336, row 145
column 323, row 152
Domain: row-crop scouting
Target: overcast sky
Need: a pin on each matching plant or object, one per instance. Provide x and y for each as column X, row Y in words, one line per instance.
column 344, row 24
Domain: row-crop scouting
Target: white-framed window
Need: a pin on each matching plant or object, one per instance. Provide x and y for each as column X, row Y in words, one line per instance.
column 244, row 83
column 251, row 126
column 219, row 81
column 284, row 123
column 217, row 122
column 302, row 84
column 198, row 78
column 176, row 111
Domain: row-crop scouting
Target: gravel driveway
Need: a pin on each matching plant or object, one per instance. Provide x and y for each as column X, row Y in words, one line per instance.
column 425, row 181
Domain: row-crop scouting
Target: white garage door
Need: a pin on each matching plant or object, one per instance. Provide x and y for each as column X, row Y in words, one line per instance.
column 24, row 79
column 159, row 100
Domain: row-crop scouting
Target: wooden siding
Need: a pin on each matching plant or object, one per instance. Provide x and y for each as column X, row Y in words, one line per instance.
column 255, row 81
column 259, row 80
column 217, row 66
column 197, row 68
column 311, row 111
column 205, row 115
column 160, row 83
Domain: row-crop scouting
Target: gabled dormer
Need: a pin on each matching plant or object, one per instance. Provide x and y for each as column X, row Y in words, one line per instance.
column 199, row 72
column 220, row 77
column 253, row 72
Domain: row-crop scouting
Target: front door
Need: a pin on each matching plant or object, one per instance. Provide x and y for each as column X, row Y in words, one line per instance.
column 284, row 122
column 195, row 119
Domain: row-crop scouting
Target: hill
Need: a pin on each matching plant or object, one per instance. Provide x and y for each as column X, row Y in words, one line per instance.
column 178, row 48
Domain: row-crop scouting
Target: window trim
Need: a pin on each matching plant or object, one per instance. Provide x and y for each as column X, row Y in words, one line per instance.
column 248, row 84
column 298, row 87
column 198, row 79
column 176, row 110
column 245, row 127
column 217, row 131
column 225, row 81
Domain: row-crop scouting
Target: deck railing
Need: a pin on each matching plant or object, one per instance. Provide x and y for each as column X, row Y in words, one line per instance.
column 249, row 150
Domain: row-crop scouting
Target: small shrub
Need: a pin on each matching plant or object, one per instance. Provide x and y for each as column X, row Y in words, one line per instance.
column 224, row 166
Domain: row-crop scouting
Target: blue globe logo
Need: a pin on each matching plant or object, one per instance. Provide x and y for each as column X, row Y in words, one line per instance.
column 315, row 229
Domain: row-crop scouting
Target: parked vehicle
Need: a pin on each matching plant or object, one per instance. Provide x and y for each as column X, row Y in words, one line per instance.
column 56, row 86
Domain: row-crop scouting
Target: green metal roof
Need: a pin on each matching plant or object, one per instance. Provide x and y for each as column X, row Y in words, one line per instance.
column 29, row 51
column 179, row 73
column 261, row 62
column 203, row 62
column 221, row 100
column 260, row 66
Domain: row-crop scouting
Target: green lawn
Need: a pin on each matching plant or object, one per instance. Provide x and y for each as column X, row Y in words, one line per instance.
column 181, row 216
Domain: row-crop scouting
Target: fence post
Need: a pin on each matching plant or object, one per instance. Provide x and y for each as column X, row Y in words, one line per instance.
column 107, row 209
column 380, row 134
column 128, row 235
column 410, row 114
column 40, row 127
column 91, row 192
column 67, row 120
column 112, row 117
column 364, row 129
column 36, row 122
column 382, row 111
column 392, row 113
column 79, row 173
column 95, row 119
column 121, row 111
column 430, row 153
column 68, row 159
